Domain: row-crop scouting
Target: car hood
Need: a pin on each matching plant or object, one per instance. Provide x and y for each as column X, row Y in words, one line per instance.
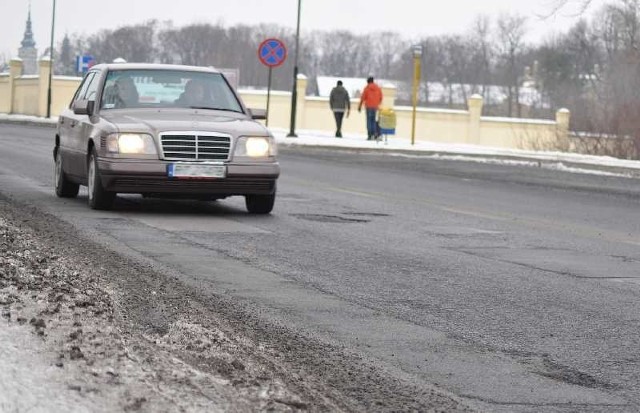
column 158, row 121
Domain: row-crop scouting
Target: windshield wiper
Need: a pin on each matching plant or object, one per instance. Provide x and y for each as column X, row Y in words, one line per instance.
column 214, row 108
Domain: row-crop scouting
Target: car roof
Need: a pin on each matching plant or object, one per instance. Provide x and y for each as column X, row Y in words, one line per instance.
column 152, row 66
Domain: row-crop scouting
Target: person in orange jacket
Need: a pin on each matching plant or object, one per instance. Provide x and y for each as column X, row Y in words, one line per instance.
column 371, row 98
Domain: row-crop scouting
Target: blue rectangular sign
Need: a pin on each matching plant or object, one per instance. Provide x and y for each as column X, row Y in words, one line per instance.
column 84, row 63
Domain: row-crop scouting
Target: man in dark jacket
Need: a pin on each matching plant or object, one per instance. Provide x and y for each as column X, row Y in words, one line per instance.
column 340, row 104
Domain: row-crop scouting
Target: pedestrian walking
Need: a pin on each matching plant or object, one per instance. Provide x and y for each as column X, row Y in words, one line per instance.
column 340, row 104
column 371, row 98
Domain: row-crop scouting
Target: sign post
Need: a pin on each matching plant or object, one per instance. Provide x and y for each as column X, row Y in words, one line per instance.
column 272, row 53
column 51, row 54
column 417, row 57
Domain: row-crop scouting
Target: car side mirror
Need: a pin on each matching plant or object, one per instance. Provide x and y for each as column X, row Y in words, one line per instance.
column 258, row 114
column 83, row 107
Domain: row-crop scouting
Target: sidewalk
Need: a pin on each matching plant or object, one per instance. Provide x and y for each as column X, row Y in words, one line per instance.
column 399, row 146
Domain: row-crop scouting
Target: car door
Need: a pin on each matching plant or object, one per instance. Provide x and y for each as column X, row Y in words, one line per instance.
column 76, row 146
column 67, row 122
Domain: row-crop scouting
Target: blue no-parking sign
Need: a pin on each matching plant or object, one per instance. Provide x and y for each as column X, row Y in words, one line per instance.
column 272, row 52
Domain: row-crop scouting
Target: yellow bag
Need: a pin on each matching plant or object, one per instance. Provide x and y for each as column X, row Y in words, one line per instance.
column 387, row 121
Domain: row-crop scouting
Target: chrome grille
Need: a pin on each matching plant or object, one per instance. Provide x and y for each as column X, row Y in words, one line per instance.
column 195, row 146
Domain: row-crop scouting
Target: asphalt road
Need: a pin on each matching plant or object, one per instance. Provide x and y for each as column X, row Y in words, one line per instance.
column 400, row 281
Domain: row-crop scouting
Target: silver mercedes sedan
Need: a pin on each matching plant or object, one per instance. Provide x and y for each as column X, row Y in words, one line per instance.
column 163, row 131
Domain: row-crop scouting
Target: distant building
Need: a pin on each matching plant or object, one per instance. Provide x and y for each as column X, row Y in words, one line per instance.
column 28, row 52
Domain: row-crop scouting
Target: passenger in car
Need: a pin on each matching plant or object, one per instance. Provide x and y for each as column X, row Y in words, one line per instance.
column 195, row 93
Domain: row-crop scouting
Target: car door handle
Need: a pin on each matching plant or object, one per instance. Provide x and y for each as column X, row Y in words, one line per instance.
column 73, row 123
column 61, row 121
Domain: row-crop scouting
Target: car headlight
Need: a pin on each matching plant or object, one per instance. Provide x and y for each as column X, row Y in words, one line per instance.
column 131, row 144
column 256, row 147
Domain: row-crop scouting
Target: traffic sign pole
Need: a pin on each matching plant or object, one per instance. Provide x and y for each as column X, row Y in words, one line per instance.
column 51, row 55
column 268, row 96
column 294, row 89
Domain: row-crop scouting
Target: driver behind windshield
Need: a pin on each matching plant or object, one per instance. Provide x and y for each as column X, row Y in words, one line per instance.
column 121, row 94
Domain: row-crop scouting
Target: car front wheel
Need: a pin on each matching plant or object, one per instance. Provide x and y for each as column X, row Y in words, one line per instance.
column 98, row 197
column 260, row 204
column 64, row 188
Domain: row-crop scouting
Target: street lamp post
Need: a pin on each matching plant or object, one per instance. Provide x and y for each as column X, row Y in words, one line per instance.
column 53, row 24
column 417, row 58
column 294, row 91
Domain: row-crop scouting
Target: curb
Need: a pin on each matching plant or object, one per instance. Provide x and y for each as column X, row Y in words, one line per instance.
column 27, row 122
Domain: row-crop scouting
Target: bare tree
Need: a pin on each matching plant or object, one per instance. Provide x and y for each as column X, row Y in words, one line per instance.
column 387, row 48
column 342, row 53
column 483, row 52
column 195, row 44
column 458, row 54
column 132, row 43
column 511, row 31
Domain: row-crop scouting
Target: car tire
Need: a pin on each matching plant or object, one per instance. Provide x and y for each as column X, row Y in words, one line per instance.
column 98, row 197
column 260, row 204
column 63, row 187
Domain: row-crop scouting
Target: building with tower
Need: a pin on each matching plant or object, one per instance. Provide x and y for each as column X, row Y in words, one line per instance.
column 28, row 51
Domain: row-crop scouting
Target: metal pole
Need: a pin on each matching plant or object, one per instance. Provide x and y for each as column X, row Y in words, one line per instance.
column 417, row 55
column 268, row 96
column 53, row 24
column 294, row 91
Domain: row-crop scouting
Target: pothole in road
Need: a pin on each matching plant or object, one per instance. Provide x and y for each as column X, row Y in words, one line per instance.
column 292, row 197
column 333, row 219
column 461, row 232
column 112, row 220
column 566, row 374
column 366, row 214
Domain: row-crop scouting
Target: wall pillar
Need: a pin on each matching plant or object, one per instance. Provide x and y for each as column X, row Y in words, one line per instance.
column 44, row 66
column 389, row 93
column 301, row 90
column 15, row 71
column 474, row 103
column 563, row 117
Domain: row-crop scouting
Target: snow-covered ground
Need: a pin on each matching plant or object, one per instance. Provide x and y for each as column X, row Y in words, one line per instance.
column 401, row 146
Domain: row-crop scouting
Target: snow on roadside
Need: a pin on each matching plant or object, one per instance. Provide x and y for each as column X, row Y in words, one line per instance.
column 445, row 151
column 557, row 166
column 28, row 379
column 28, row 119
column 60, row 349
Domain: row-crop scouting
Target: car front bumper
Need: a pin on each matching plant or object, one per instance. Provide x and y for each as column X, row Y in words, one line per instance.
column 150, row 177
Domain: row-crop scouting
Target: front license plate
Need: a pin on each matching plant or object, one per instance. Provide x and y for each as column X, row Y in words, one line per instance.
column 178, row 170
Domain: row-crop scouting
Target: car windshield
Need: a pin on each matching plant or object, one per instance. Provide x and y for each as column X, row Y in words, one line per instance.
column 167, row 89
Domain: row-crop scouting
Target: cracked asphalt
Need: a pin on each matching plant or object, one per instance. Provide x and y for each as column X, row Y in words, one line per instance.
column 378, row 284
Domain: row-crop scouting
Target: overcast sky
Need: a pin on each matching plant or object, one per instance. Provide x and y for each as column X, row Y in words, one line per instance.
column 411, row 18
